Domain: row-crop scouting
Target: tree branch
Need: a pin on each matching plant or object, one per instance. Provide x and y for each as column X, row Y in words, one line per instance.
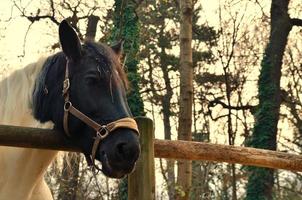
column 215, row 102
column 296, row 22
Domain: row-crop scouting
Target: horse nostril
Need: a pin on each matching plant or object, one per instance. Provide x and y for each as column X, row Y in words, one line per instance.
column 121, row 148
column 127, row 151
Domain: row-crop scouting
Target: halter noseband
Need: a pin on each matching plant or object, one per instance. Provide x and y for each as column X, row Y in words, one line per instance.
column 102, row 131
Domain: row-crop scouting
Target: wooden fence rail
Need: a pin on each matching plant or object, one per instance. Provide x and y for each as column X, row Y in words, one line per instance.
column 225, row 153
column 49, row 139
column 35, row 138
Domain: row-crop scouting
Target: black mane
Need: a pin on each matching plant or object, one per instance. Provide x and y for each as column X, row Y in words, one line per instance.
column 47, row 85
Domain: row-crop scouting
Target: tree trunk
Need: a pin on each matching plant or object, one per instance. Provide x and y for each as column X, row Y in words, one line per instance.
column 166, row 109
column 184, row 175
column 91, row 27
column 126, row 27
column 166, row 103
column 69, row 177
column 261, row 180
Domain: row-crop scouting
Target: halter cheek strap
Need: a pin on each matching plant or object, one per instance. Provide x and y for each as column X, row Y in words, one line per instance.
column 102, row 131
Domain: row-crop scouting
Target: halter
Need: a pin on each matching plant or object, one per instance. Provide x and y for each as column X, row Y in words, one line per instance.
column 102, row 131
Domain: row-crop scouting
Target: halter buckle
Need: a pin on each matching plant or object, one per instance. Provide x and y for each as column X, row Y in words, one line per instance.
column 66, row 85
column 102, row 132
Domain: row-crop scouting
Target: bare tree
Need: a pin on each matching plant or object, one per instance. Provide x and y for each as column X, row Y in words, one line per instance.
column 184, row 174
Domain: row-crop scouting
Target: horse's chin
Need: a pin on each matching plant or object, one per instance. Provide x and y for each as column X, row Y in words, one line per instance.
column 109, row 170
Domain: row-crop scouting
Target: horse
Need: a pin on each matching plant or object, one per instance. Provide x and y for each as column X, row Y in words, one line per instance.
column 79, row 91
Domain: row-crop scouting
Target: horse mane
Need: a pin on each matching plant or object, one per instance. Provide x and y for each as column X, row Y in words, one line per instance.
column 16, row 96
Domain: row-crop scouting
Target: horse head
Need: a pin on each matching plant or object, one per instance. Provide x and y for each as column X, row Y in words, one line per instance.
column 93, row 84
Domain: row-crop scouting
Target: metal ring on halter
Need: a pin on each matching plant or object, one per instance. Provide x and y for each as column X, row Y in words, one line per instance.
column 102, row 132
column 67, row 106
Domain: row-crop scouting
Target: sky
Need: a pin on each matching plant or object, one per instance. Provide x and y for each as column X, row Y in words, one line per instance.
column 14, row 29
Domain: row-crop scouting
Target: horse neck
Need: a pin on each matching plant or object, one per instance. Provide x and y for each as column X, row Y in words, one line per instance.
column 21, row 168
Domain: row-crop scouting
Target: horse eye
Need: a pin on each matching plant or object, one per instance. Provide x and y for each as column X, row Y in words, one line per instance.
column 92, row 80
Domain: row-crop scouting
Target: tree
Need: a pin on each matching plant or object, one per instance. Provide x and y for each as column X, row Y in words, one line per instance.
column 69, row 177
column 184, row 175
column 126, row 27
column 156, row 48
column 261, row 180
column 160, row 68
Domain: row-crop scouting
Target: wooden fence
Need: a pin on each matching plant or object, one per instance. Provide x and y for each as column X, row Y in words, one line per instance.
column 142, row 180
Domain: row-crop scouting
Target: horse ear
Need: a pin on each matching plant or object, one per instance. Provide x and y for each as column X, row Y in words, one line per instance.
column 70, row 42
column 118, row 48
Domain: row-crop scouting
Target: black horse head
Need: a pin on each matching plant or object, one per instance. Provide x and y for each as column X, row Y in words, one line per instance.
column 97, row 89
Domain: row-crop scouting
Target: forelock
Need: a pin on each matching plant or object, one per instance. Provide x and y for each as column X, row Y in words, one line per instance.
column 103, row 52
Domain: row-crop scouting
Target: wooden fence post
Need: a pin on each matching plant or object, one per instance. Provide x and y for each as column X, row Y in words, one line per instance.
column 141, row 183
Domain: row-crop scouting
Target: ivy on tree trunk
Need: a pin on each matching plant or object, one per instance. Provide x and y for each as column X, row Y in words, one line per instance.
column 126, row 27
column 261, row 180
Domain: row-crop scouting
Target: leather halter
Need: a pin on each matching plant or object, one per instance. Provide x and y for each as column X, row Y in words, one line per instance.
column 102, row 131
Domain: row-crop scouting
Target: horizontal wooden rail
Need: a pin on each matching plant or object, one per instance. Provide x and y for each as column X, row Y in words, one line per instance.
column 49, row 139
column 226, row 153
column 35, row 138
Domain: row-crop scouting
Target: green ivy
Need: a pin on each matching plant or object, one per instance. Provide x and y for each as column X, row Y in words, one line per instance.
column 266, row 119
column 258, row 178
column 127, row 27
column 264, row 133
column 123, row 189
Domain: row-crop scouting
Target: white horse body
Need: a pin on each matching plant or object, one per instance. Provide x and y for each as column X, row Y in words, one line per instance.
column 22, row 169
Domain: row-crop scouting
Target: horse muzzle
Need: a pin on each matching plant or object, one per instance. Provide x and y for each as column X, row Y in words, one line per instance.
column 119, row 155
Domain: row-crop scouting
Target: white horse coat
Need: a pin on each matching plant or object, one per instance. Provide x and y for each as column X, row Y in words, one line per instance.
column 22, row 170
